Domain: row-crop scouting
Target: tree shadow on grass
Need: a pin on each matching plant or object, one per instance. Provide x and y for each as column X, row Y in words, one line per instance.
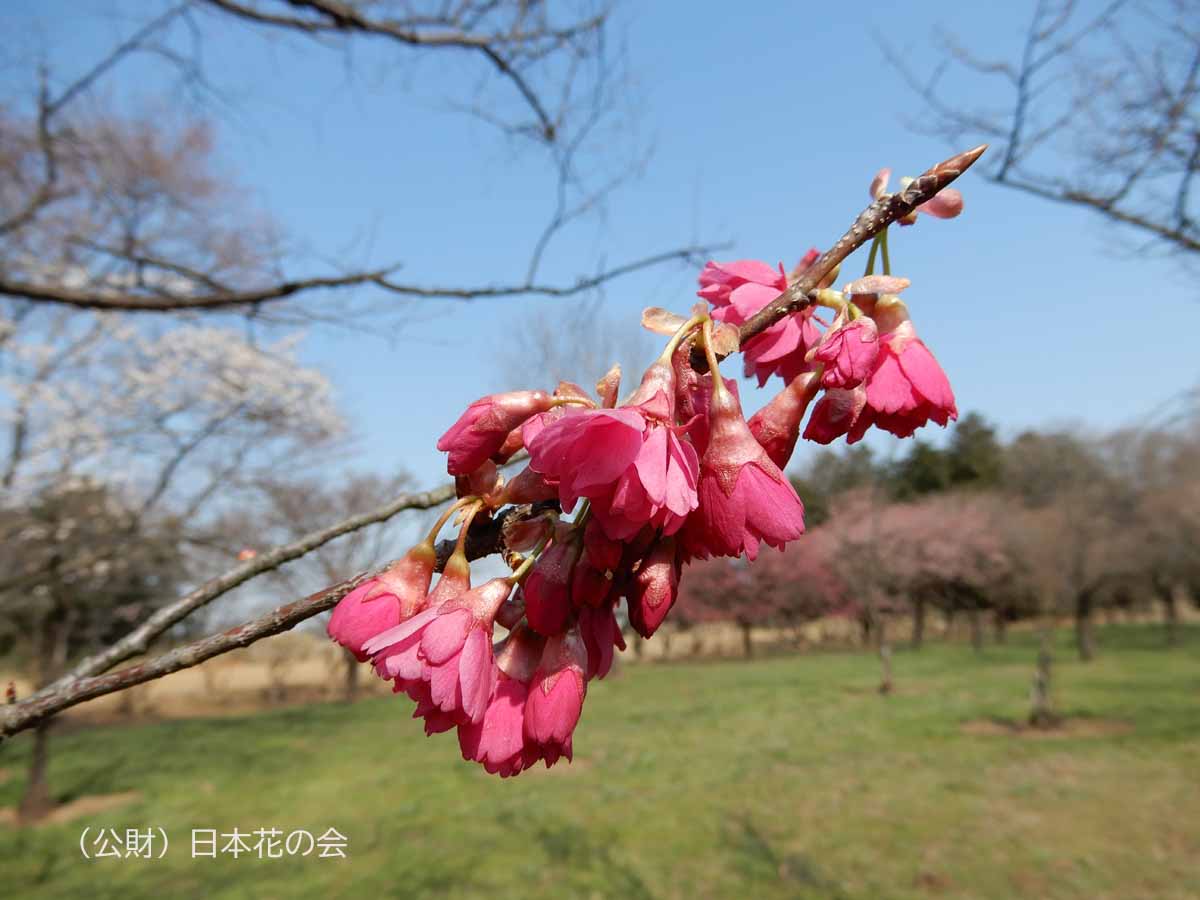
column 760, row 862
column 590, row 855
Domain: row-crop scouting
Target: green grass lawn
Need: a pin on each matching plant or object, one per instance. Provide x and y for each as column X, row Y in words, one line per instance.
column 785, row 777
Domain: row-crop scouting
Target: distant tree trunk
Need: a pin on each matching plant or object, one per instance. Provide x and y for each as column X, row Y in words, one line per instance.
column 1167, row 593
column 747, row 639
column 949, row 632
column 36, row 802
column 975, row 617
column 885, row 659
column 350, row 686
column 918, row 631
column 639, row 645
column 1000, row 623
column 1041, row 713
column 1085, row 638
column 53, row 638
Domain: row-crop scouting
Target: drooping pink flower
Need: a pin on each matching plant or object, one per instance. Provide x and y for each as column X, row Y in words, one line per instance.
column 383, row 602
column 740, row 289
column 692, row 391
column 907, row 387
column 436, row 719
column 485, row 426
column 592, row 579
column 849, row 353
column 629, row 461
column 838, row 412
column 400, row 660
column 776, row 426
column 744, row 498
column 498, row 740
column 527, row 486
column 601, row 633
column 455, row 648
column 547, row 588
column 653, row 590
column 584, row 451
column 945, row 204
column 556, row 695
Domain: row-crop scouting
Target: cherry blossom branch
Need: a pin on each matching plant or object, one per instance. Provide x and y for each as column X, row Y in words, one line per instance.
column 86, row 682
column 872, row 220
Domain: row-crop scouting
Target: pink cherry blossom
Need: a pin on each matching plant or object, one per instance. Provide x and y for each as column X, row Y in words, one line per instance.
column 848, row 353
column 838, row 412
column 739, row 290
column 744, row 498
column 485, row 426
column 629, row 461
column 907, row 387
column 498, row 740
column 653, row 590
column 547, row 588
column 556, row 696
column 383, row 602
column 400, row 660
column 455, row 648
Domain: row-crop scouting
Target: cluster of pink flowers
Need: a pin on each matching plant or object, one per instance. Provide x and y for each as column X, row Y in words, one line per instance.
column 869, row 362
column 619, row 498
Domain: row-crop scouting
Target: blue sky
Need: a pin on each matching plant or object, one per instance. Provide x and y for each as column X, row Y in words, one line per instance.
column 766, row 126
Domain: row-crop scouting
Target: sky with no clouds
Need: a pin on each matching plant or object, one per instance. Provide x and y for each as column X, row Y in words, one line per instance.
column 764, row 123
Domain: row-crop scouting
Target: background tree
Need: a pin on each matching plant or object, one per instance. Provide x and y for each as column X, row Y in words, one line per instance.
column 1098, row 109
column 102, row 572
column 286, row 509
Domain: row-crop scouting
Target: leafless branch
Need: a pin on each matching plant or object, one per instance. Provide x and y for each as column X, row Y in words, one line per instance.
column 160, row 302
column 508, row 50
column 1103, row 112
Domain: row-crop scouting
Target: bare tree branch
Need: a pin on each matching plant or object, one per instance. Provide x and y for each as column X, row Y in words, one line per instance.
column 160, row 302
column 505, row 50
column 140, row 638
column 65, row 694
column 1104, row 112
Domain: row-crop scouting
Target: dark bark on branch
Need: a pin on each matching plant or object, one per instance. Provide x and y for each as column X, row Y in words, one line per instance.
column 158, row 303
column 500, row 50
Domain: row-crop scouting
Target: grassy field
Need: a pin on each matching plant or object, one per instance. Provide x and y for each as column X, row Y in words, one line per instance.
column 786, row 777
